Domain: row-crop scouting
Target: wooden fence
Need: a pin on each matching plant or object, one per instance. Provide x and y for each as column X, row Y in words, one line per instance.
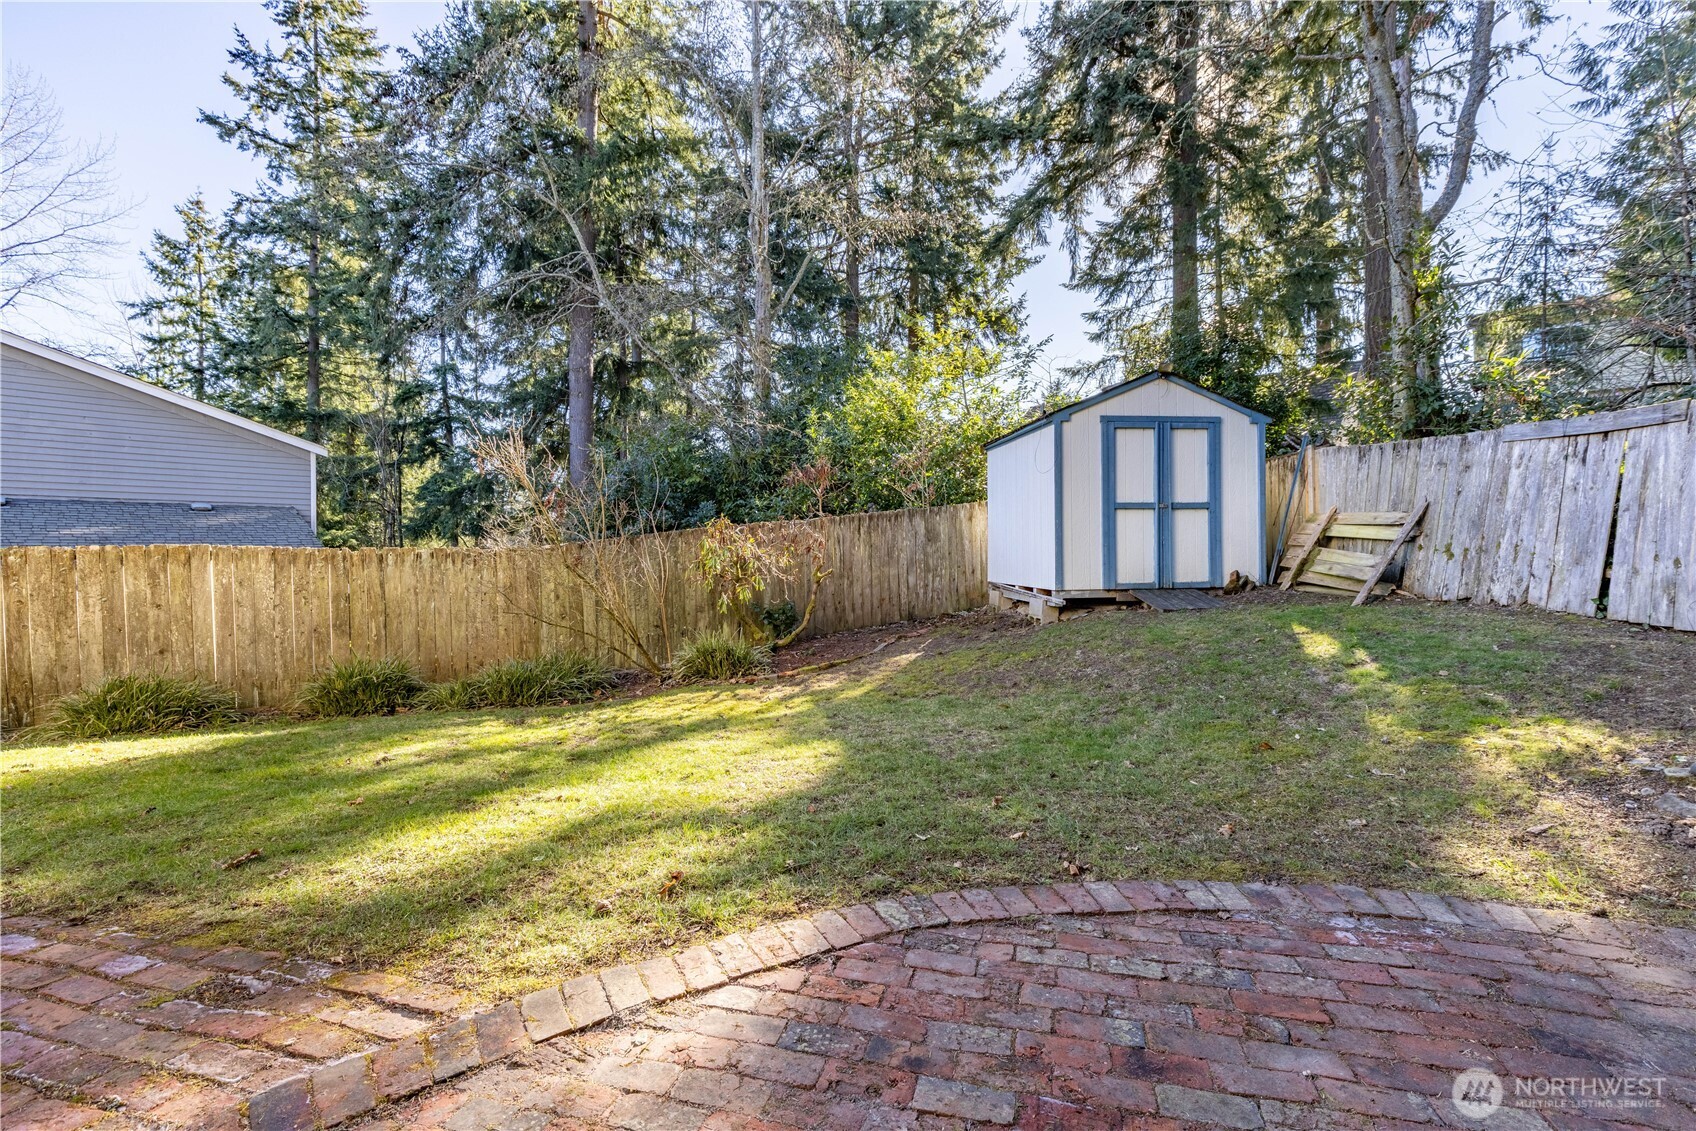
column 262, row 620
column 1562, row 514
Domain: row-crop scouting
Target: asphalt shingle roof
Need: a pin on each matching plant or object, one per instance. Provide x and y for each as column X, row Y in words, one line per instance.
column 105, row 522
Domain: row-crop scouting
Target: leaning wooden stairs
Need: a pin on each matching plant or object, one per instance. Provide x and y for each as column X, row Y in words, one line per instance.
column 1312, row 566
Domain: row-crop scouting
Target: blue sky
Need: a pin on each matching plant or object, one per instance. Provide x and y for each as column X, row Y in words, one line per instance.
column 137, row 74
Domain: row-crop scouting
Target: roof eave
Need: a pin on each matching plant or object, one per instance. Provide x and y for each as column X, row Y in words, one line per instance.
column 106, row 373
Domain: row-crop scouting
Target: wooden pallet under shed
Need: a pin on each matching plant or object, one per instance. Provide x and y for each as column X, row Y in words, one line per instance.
column 1314, row 567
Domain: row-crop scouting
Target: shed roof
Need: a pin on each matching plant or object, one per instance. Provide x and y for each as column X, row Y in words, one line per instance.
column 1125, row 387
column 104, row 522
column 107, row 373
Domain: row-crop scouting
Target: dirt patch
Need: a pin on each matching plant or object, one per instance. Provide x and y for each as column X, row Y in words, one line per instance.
column 225, row 991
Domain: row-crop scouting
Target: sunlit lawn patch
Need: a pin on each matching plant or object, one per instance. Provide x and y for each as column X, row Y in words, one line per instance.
column 1404, row 745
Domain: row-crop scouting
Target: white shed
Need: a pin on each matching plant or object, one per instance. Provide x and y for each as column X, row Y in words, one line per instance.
column 1154, row 483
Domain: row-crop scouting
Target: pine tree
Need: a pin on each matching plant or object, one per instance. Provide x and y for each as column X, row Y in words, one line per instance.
column 180, row 318
column 1644, row 73
column 1113, row 116
column 309, row 105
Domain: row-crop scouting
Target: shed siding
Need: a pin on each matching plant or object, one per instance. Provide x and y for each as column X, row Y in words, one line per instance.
column 1239, row 471
column 71, row 436
column 1021, row 510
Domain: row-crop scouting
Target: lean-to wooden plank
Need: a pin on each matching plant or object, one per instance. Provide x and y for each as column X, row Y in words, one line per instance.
column 1389, row 552
column 1300, row 551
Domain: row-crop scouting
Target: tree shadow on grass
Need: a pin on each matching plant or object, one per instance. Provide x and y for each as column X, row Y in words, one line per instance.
column 499, row 850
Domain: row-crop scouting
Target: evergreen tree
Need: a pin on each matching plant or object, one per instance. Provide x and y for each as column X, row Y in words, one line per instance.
column 1114, row 116
column 1644, row 73
column 180, row 318
column 308, row 107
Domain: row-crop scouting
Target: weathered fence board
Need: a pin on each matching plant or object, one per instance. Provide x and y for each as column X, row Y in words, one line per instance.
column 1527, row 514
column 262, row 620
column 1654, row 576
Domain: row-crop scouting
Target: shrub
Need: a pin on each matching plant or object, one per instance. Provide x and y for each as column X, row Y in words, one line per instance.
column 362, row 687
column 781, row 619
column 454, row 695
column 142, row 704
column 718, row 655
column 561, row 677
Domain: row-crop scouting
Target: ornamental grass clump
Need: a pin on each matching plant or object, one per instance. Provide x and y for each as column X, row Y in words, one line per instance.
column 719, row 655
column 361, row 687
column 142, row 704
column 551, row 680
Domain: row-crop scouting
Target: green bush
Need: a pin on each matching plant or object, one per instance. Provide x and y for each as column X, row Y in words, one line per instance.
column 362, row 687
column 780, row 619
column 560, row 677
column 718, row 655
column 454, row 695
column 142, row 704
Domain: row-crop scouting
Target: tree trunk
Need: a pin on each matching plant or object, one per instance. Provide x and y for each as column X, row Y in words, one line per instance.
column 1185, row 185
column 1389, row 62
column 759, row 209
column 580, row 356
column 314, row 341
column 446, row 390
column 1375, row 270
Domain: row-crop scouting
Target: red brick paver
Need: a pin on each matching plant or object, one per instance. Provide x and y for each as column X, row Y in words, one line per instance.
column 99, row 1028
column 1166, row 1006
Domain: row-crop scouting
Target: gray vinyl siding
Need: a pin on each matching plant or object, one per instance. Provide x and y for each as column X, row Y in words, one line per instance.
column 66, row 435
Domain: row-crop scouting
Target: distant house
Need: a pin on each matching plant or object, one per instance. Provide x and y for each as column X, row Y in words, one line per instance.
column 92, row 456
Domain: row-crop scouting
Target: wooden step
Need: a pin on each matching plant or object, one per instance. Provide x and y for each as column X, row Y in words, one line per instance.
column 1355, row 530
column 1373, row 518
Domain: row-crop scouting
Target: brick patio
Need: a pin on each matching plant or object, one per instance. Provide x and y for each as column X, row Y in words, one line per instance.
column 107, row 1028
column 1133, row 1005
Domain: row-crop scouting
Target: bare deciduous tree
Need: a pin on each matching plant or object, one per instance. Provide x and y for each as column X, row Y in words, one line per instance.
column 56, row 197
column 611, row 546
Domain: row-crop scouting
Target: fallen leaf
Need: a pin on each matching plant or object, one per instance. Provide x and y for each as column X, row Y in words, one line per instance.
column 812, row 807
column 995, row 802
column 921, row 836
column 1539, row 830
column 357, row 801
column 669, row 888
column 1020, row 835
column 1264, row 746
column 244, row 858
column 1227, row 830
column 1357, row 822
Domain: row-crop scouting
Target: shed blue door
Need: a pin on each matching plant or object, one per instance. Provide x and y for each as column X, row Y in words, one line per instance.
column 1160, row 495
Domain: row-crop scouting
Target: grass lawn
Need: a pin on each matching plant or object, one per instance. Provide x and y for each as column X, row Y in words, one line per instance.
column 1405, row 744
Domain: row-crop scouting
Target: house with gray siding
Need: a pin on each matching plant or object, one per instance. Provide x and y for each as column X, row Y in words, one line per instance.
column 92, row 456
